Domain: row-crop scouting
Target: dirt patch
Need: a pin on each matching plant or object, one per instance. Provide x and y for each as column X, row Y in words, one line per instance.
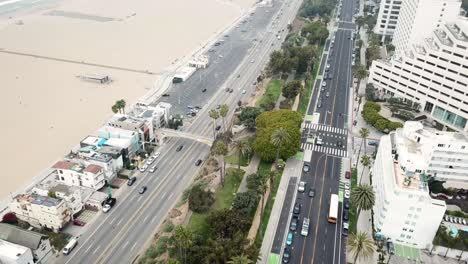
column 258, row 93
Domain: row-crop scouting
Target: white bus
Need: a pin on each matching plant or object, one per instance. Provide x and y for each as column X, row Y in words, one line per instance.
column 333, row 213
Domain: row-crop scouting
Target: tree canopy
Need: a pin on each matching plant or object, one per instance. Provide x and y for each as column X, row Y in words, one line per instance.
column 248, row 116
column 292, row 89
column 267, row 123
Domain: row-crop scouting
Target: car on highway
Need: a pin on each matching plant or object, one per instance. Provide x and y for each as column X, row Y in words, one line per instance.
column 347, row 185
column 286, row 255
column 198, row 162
column 143, row 168
column 218, row 128
column 165, row 95
column 153, row 169
column 131, row 181
column 252, row 61
column 346, row 203
column 244, row 91
column 297, row 208
column 327, row 94
column 318, row 141
column 328, row 66
column 294, row 223
column 306, row 168
column 339, row 143
column 305, row 227
column 311, row 192
column 142, row 189
column 218, row 107
column 324, row 84
column 319, row 104
column 302, row 186
column 179, row 148
column 345, row 215
column 289, row 239
column 204, row 90
column 345, row 229
column 347, row 194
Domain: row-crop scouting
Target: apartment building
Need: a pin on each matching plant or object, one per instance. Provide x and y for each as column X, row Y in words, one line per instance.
column 418, row 18
column 135, row 124
column 433, row 73
column 404, row 212
column 72, row 195
column 76, row 174
column 41, row 211
column 388, row 16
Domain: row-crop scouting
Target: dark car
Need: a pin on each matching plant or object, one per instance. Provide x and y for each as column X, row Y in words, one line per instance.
column 218, row 128
column 306, row 168
column 142, row 189
column 165, row 95
column 111, row 201
column 179, row 148
column 198, row 162
column 294, row 223
column 204, row 90
column 297, row 208
column 346, row 204
column 372, row 143
column 311, row 192
column 286, row 255
column 131, row 181
column 78, row 222
column 339, row 143
column 345, row 215
column 347, row 175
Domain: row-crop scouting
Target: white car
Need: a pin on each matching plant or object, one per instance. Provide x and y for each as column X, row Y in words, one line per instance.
column 150, row 160
column 347, row 194
column 156, row 155
column 324, row 84
column 143, row 168
column 347, row 185
column 328, row 66
column 244, row 91
column 152, row 169
column 106, row 208
column 302, row 186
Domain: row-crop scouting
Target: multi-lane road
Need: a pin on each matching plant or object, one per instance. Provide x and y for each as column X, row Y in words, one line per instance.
column 120, row 235
column 328, row 161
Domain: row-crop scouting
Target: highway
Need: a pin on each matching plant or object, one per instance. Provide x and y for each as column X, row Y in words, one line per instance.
column 328, row 162
column 120, row 235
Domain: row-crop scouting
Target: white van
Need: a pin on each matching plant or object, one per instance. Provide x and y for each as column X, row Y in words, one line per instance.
column 69, row 247
column 305, row 227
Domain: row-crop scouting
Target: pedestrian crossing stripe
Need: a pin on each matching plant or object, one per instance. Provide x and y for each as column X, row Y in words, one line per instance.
column 325, row 128
column 323, row 149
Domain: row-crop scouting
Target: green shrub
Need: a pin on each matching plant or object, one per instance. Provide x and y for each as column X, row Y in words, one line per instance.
column 168, row 227
column 200, row 200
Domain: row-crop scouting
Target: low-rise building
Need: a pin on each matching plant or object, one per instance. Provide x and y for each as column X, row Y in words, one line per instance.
column 41, row 211
column 127, row 140
column 139, row 125
column 76, row 174
column 404, row 211
column 37, row 243
column 72, row 195
column 15, row 254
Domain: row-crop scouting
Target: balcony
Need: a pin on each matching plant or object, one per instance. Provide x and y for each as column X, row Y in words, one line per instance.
column 443, row 37
column 456, row 32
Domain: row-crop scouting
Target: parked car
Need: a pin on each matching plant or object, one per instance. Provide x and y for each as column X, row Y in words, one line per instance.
column 204, row 90
column 345, row 215
column 345, row 229
column 165, row 95
column 131, row 181
column 142, row 189
column 372, row 143
column 311, row 192
column 153, row 169
column 302, row 186
column 78, row 222
column 218, row 128
column 143, row 168
column 306, row 168
column 347, row 194
column 294, row 223
column 347, row 185
column 348, row 175
column 179, row 148
column 198, row 162
column 289, row 239
column 297, row 208
column 286, row 255
column 464, row 221
column 346, row 204
column 390, row 248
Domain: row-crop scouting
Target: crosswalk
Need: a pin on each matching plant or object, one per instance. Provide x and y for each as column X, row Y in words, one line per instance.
column 323, row 149
column 324, row 128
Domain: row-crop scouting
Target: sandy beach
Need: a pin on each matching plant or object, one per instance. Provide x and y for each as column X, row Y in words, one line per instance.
column 46, row 109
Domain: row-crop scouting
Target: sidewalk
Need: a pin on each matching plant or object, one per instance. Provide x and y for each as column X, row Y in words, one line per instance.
column 252, row 168
column 291, row 169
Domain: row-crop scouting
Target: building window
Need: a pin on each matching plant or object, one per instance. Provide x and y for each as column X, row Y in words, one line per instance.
column 441, row 145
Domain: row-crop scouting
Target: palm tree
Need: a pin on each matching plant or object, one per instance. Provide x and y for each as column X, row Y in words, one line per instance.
column 365, row 161
column 242, row 148
column 220, row 149
column 263, row 187
column 184, row 240
column 271, row 178
column 279, row 137
column 363, row 197
column 360, row 21
column 223, row 113
column 121, row 105
column 451, row 242
column 360, row 73
column 242, row 259
column 214, row 115
column 364, row 133
column 435, row 243
column 115, row 109
column 360, row 245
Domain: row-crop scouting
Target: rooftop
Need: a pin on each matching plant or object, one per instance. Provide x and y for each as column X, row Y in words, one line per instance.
column 67, row 165
column 409, row 180
column 119, row 118
column 457, row 32
column 20, row 236
column 10, row 253
column 94, row 169
column 38, row 199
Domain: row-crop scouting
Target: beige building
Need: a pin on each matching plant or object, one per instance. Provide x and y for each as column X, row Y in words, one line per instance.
column 41, row 211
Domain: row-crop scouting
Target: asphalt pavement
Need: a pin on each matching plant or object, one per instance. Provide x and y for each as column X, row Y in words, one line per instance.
column 120, row 235
column 325, row 242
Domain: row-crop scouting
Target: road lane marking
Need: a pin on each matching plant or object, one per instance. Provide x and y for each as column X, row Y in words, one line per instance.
column 94, row 252
column 90, row 246
column 118, row 223
column 113, row 221
column 133, row 247
column 146, row 218
column 139, row 198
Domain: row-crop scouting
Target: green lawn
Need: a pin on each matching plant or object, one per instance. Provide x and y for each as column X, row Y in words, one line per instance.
column 223, row 199
column 305, row 98
column 264, row 168
column 272, row 93
column 353, row 211
column 232, row 159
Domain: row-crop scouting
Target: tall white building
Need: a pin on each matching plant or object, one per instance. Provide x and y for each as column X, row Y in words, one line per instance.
column 76, row 174
column 418, row 18
column 388, row 16
column 404, row 210
column 432, row 72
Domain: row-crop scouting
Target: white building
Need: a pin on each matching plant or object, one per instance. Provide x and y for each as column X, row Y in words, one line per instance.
column 200, row 62
column 14, row 254
column 433, row 73
column 157, row 115
column 76, row 174
column 72, row 195
column 41, row 211
column 418, row 18
column 387, row 17
column 404, row 210
column 37, row 243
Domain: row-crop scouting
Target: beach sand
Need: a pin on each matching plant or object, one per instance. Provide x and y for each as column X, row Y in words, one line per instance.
column 46, row 109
